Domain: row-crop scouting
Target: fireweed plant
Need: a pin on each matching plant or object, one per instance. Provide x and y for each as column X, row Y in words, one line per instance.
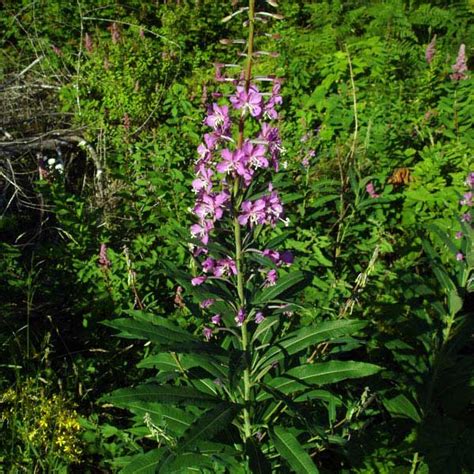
column 248, row 375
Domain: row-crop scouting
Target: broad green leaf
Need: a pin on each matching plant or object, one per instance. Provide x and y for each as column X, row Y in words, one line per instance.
column 454, row 302
column 401, row 407
column 283, row 284
column 309, row 336
column 305, row 376
column 160, row 394
column 144, row 463
column 208, row 425
column 291, row 450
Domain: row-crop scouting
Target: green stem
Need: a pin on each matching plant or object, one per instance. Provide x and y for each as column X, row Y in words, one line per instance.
column 238, row 239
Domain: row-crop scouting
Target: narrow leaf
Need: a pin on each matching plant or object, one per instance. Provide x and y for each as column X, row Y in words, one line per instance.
column 208, row 425
column 305, row 376
column 283, row 284
column 160, row 394
column 291, row 450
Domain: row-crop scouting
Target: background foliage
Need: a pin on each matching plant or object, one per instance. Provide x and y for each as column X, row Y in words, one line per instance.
column 117, row 115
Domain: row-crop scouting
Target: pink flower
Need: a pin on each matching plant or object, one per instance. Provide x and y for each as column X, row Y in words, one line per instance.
column 203, row 182
column 460, row 66
column 371, row 190
column 104, row 261
column 218, row 118
column 459, row 257
column 430, row 50
column 88, row 43
column 207, row 303
column 240, row 318
column 255, row 155
column 252, row 212
column 207, row 332
column 202, row 230
column 216, row 319
column 250, row 101
column 466, row 217
column 199, row 280
column 459, row 235
column 271, row 278
column 470, row 180
column 225, row 267
column 208, row 265
column 211, row 206
column 259, row 317
column 467, row 201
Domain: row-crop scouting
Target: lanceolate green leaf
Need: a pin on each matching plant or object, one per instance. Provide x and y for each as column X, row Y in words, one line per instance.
column 283, row 284
column 214, row 364
column 208, row 425
column 306, row 376
column 308, row 336
column 291, row 450
column 144, row 463
column 161, row 394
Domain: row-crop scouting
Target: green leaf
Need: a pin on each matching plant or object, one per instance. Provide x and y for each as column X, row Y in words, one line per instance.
column 401, row 407
column 454, row 302
column 161, row 394
column 144, row 463
column 291, row 450
column 208, row 425
column 283, row 284
column 308, row 336
column 182, row 463
column 305, row 376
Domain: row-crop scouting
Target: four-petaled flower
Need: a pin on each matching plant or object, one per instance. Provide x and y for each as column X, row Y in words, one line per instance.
column 251, row 100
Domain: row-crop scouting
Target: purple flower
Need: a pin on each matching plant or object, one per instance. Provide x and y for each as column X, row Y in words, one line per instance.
column 88, row 43
column 259, row 317
column 252, row 212
column 470, row 180
column 202, row 230
column 203, row 182
column 430, row 50
column 460, row 66
column 271, row 278
column 274, row 208
column 208, row 265
column 218, row 117
column 275, row 99
column 250, row 101
column 467, row 201
column 211, row 206
column 225, row 267
column 216, row 319
column 459, row 235
column 240, row 318
column 459, row 257
column 207, row 303
column 371, row 190
column 205, row 149
column 273, row 255
column 466, row 217
column 287, row 257
column 199, row 280
column 207, row 332
column 104, row 261
column 255, row 155
column 271, row 136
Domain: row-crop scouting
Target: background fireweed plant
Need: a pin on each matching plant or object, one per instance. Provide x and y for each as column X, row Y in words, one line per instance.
column 245, row 395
